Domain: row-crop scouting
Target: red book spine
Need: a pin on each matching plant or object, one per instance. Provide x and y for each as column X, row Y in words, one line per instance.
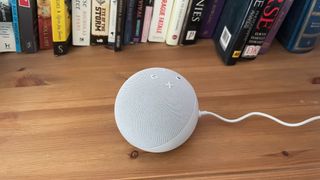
column 44, row 24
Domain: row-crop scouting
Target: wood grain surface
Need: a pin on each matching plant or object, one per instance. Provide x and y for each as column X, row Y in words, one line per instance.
column 57, row 121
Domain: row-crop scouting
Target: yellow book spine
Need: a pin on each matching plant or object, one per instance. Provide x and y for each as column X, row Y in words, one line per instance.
column 61, row 20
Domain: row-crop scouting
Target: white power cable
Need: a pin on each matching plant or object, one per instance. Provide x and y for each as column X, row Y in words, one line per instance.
column 203, row 113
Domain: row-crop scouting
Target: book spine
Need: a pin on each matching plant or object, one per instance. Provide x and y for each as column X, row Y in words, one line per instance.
column 147, row 21
column 100, row 22
column 176, row 21
column 7, row 40
column 262, row 28
column 61, row 26
column 254, row 11
column 112, row 23
column 193, row 21
column 15, row 21
column 120, row 25
column 140, row 9
column 81, row 17
column 293, row 22
column 28, row 24
column 131, row 4
column 185, row 21
column 160, row 20
column 211, row 17
column 309, row 32
column 134, row 21
column 44, row 24
column 276, row 26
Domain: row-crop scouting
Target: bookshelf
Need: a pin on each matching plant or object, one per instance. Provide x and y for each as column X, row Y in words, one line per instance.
column 56, row 115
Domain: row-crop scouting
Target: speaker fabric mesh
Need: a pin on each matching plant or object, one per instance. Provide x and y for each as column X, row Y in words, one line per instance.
column 154, row 106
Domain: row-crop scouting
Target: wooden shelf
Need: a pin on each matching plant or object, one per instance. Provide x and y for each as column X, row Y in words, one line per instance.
column 57, row 121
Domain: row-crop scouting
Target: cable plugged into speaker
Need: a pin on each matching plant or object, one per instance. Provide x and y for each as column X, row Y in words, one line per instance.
column 157, row 110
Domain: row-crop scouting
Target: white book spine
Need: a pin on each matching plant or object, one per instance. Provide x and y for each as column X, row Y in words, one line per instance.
column 100, row 17
column 7, row 40
column 176, row 21
column 160, row 20
column 112, row 21
column 81, row 18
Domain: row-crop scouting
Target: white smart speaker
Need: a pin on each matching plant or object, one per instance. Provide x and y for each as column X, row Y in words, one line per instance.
column 156, row 110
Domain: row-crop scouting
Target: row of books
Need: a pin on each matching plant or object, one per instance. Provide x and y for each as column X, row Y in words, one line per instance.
column 248, row 27
column 30, row 25
column 241, row 29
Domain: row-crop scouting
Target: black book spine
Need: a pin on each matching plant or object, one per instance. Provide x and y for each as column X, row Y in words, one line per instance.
column 254, row 12
column 130, row 11
column 134, row 22
column 236, row 22
column 185, row 22
column 139, row 19
column 121, row 7
column 261, row 29
column 192, row 22
column 28, row 24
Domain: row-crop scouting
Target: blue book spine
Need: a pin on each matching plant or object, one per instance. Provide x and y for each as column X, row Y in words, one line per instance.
column 310, row 30
column 129, row 20
column 301, row 28
column 15, row 22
